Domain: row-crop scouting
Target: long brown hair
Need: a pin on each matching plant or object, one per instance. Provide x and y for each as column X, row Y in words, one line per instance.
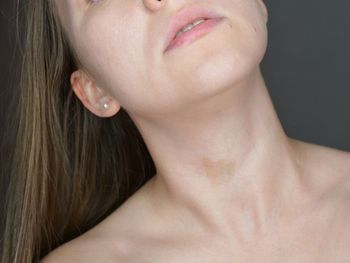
column 70, row 169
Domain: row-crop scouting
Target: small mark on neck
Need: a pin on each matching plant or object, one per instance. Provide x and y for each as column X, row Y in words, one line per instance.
column 219, row 171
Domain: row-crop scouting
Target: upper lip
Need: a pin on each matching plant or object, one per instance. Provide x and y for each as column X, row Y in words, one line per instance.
column 184, row 16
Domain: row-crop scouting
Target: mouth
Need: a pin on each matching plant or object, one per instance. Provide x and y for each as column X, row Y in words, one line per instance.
column 189, row 24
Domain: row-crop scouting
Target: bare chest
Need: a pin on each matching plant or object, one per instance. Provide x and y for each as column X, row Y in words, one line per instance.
column 326, row 240
column 303, row 251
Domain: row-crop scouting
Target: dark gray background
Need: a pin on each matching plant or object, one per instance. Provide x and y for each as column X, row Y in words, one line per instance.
column 306, row 68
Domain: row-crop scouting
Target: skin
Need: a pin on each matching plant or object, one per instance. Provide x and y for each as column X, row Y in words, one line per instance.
column 231, row 186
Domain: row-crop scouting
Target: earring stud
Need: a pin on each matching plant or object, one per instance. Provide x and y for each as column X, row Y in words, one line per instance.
column 105, row 106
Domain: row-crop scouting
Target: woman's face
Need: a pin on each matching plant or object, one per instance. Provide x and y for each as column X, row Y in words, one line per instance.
column 120, row 45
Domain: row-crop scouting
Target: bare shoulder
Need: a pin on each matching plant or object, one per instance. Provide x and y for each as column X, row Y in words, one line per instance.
column 84, row 249
column 104, row 243
column 68, row 252
column 325, row 166
column 328, row 172
column 109, row 241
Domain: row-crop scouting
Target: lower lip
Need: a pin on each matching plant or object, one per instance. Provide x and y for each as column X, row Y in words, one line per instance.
column 195, row 33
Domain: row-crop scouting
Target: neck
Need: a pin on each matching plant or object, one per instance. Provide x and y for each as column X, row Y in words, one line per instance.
column 224, row 156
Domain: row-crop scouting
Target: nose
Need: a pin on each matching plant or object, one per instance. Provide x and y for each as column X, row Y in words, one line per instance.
column 154, row 5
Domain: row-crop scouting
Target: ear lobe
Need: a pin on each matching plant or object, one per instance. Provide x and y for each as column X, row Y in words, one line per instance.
column 264, row 10
column 93, row 97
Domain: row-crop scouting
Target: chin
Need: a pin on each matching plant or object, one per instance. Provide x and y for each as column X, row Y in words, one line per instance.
column 225, row 56
column 225, row 63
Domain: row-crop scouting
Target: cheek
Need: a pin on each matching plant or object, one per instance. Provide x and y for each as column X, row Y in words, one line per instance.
column 112, row 55
column 246, row 11
column 248, row 30
column 227, row 56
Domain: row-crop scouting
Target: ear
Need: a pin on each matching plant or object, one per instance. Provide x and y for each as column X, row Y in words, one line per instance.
column 93, row 97
column 264, row 10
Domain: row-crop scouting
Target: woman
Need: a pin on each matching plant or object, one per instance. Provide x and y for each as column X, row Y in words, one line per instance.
column 224, row 182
